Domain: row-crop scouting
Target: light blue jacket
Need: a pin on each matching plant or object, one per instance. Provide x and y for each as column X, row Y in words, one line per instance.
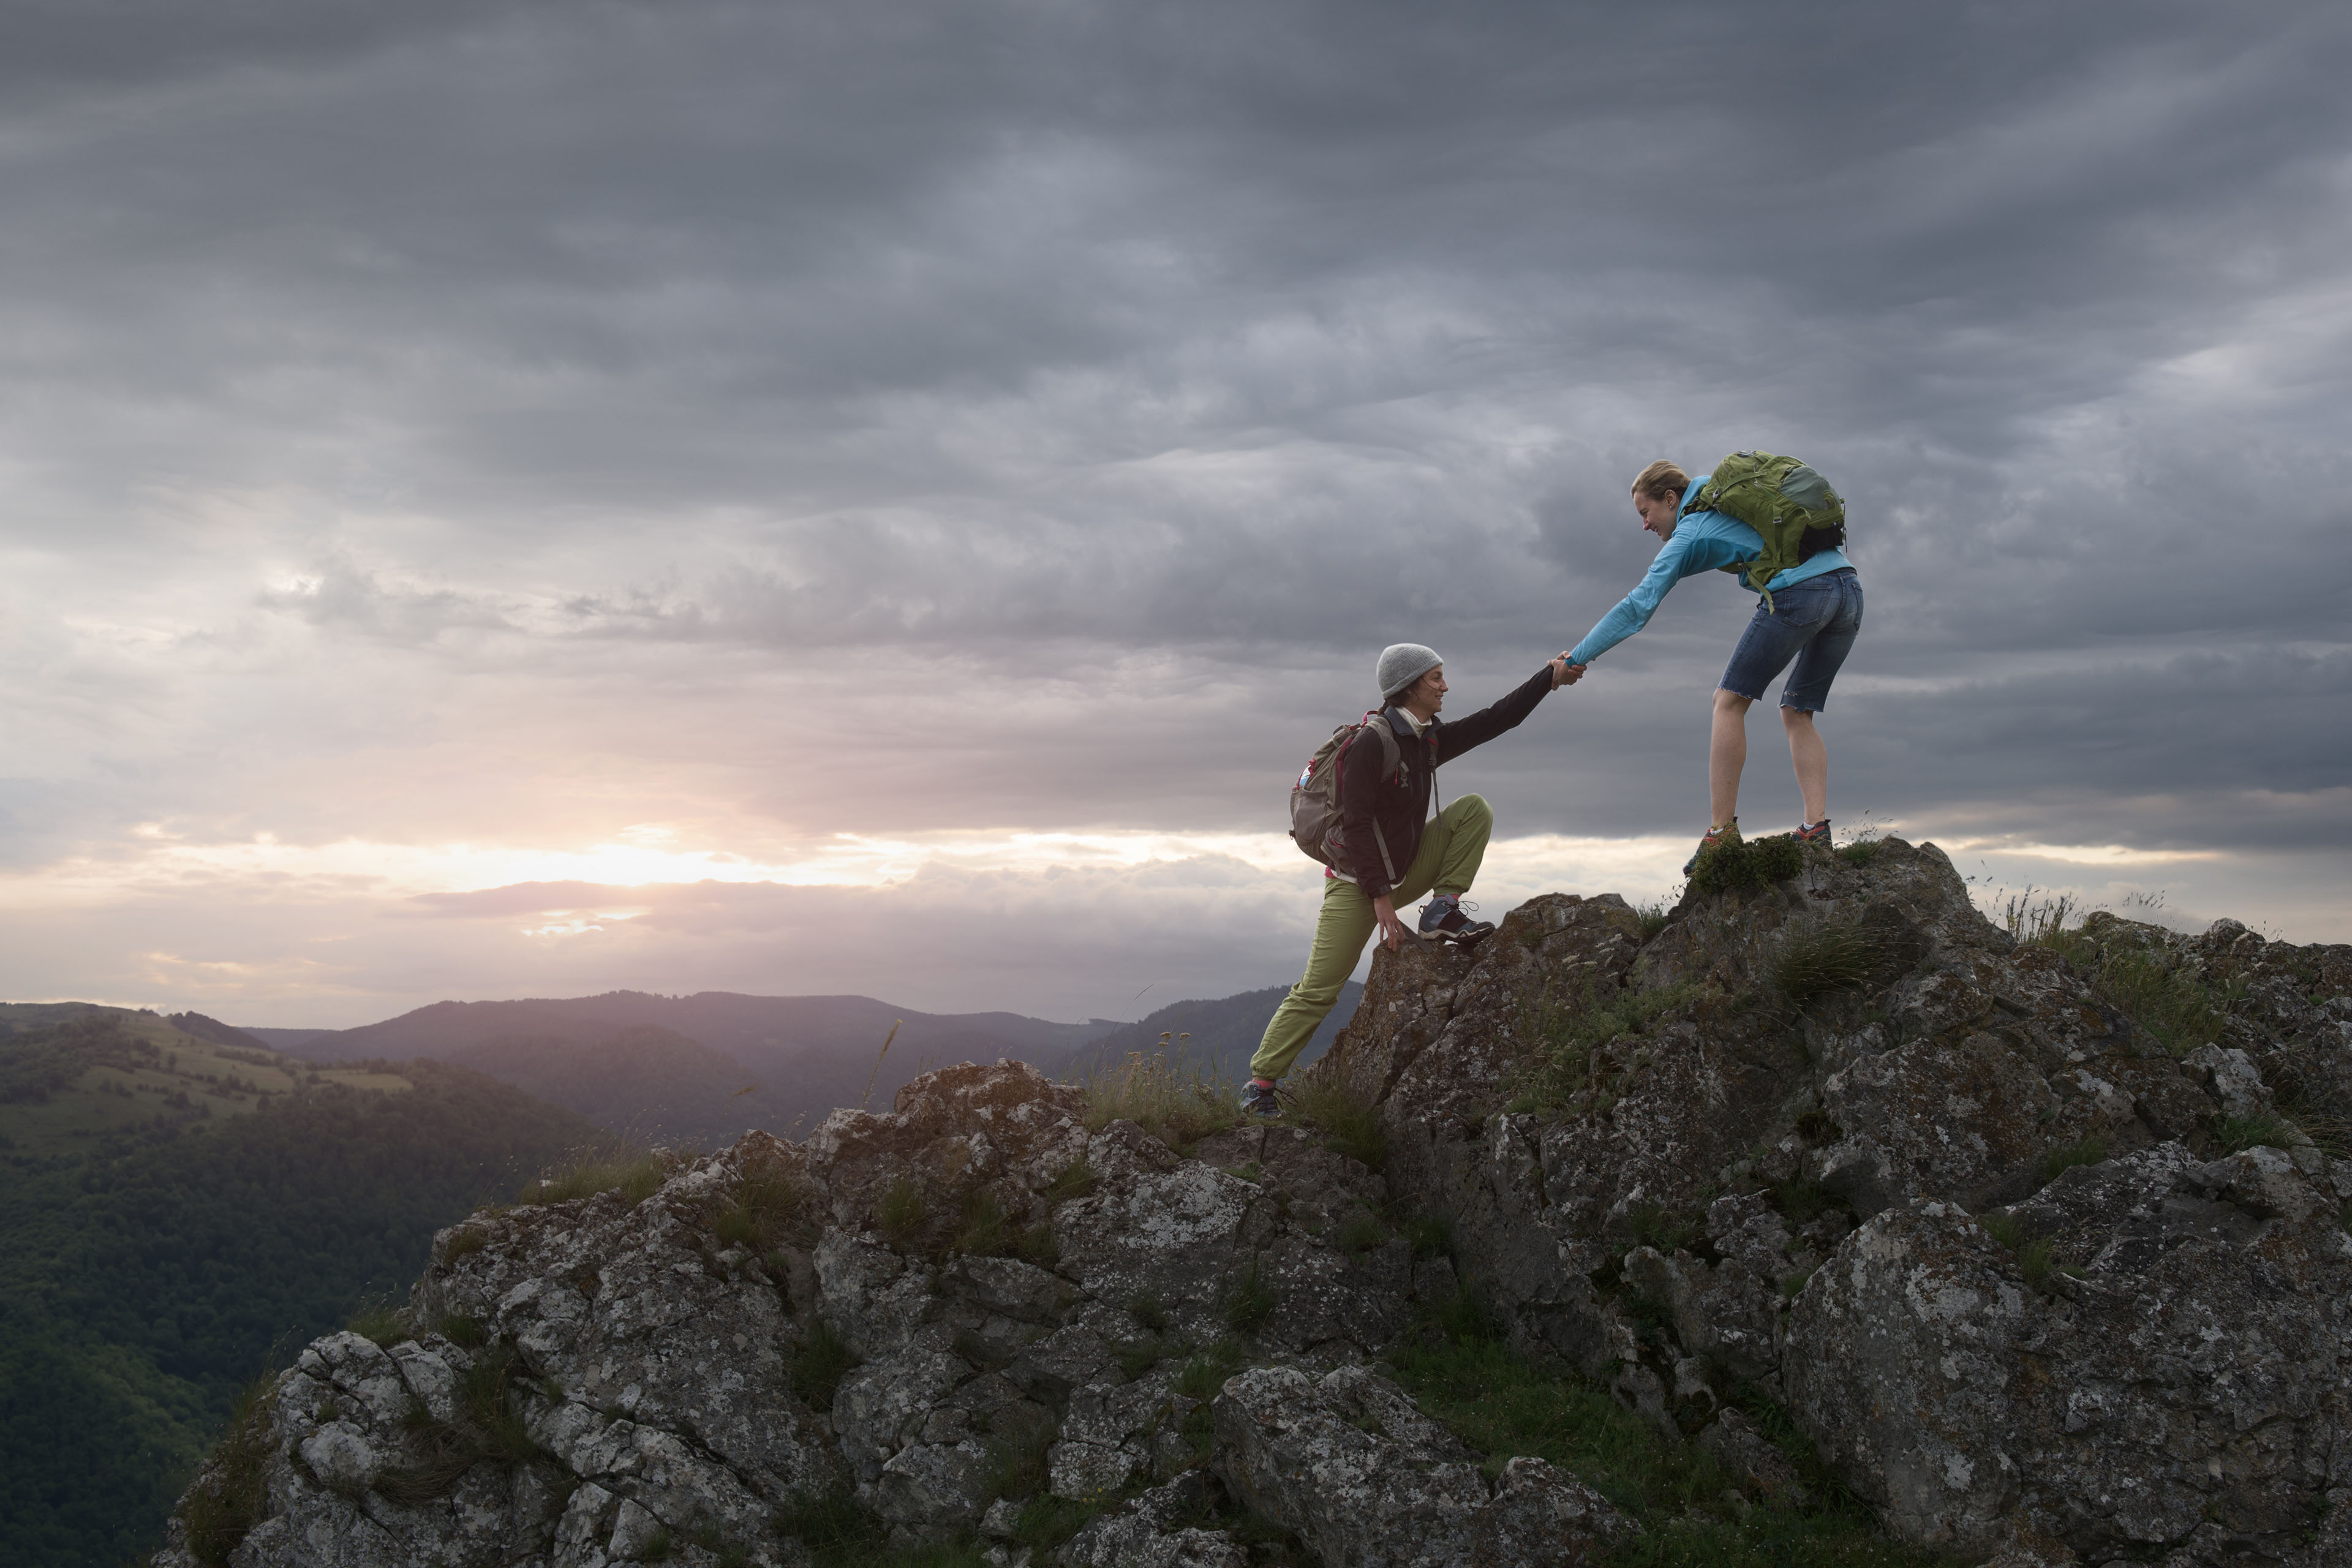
column 1703, row 541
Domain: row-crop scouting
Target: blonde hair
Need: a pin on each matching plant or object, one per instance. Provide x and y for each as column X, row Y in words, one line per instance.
column 1661, row 479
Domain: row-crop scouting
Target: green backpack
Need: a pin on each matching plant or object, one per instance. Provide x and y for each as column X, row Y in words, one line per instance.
column 1781, row 499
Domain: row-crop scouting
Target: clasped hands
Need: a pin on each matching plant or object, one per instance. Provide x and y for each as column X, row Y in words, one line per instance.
column 1566, row 674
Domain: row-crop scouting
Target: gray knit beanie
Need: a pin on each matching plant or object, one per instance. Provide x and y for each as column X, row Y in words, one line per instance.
column 1403, row 663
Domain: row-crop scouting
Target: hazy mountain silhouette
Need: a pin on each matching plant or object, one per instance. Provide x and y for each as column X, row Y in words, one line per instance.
column 1224, row 1032
column 673, row 1068
column 807, row 1054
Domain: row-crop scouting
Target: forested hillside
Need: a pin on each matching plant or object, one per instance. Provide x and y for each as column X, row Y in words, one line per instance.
column 173, row 1211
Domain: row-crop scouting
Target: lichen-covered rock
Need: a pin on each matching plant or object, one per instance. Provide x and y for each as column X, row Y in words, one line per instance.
column 1648, row 1150
column 2184, row 1369
column 1156, row 1530
column 1367, row 1481
column 1837, row 1144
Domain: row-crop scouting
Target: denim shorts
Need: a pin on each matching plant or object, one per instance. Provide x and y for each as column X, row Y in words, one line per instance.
column 1812, row 621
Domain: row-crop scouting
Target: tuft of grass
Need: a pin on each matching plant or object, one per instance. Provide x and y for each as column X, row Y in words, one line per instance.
column 1075, row 1180
column 1508, row 1405
column 1823, row 960
column 1164, row 1094
column 461, row 1329
column 657, row 1546
column 2004, row 1228
column 1251, row 1302
column 1206, row 1373
column 380, row 1320
column 1463, row 1318
column 1860, row 853
column 767, row 1210
column 490, row 1428
column 229, row 1494
column 834, row 1528
column 1559, row 1065
column 489, row 1391
column 1800, row 1199
column 1139, row 1356
column 819, row 1362
column 1655, row 1225
column 2240, row 1133
column 464, row 1242
column 1150, row 1312
column 1653, row 917
column 1350, row 1122
column 1016, row 1455
column 1360, row 1232
column 983, row 1227
column 1746, row 864
column 2090, row 1151
column 903, row 1209
column 1431, row 1235
column 2180, row 1010
column 635, row 1176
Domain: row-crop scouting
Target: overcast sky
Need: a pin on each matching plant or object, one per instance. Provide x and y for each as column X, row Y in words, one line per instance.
column 536, row 499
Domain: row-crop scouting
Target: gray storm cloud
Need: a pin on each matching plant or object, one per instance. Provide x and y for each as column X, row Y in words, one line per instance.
column 450, row 422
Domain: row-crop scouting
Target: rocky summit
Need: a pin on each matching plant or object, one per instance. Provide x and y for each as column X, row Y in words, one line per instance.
column 2033, row 1242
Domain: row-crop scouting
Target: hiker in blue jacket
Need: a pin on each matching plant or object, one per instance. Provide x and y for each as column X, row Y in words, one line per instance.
column 1809, row 613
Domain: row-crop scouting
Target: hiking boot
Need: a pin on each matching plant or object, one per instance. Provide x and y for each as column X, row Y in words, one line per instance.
column 1716, row 836
column 1819, row 833
column 1259, row 1098
column 1443, row 917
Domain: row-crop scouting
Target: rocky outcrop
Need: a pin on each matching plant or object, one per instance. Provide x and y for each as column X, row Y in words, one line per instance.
column 899, row 1314
column 2039, row 1247
column 1368, row 1481
column 1844, row 1144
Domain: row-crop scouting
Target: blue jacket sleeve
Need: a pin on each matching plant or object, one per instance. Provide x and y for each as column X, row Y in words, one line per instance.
column 1634, row 610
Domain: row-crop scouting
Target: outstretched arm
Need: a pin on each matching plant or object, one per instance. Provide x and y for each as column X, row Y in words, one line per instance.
column 1634, row 610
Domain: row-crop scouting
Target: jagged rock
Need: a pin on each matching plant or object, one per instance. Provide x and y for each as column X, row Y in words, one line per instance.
column 1153, row 1531
column 1762, row 1469
column 1366, row 1480
column 2194, row 1372
column 1837, row 1144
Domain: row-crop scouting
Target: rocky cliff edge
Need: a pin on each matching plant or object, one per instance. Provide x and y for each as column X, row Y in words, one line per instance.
column 2039, row 1247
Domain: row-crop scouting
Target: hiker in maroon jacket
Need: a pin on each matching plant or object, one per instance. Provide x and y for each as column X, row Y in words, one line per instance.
column 1387, row 851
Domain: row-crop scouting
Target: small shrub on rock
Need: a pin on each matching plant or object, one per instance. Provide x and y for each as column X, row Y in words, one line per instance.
column 1162, row 1094
column 1252, row 1301
column 1350, row 1122
column 635, row 1176
column 2242, row 1133
column 228, row 1497
column 819, row 1362
column 2089, row 1152
column 1744, row 866
column 902, row 1210
column 1826, row 959
column 461, row 1329
column 380, row 1320
column 1360, row 1232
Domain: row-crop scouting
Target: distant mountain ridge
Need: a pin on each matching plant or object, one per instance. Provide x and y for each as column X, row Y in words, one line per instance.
column 705, row 1068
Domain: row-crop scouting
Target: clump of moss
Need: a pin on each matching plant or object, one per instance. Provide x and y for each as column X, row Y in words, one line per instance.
column 1740, row 865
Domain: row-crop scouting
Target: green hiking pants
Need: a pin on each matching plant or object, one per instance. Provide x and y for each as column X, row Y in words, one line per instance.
column 1450, row 848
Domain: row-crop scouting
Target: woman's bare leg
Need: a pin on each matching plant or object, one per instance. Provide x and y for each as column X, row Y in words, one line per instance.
column 1812, row 761
column 1727, row 753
